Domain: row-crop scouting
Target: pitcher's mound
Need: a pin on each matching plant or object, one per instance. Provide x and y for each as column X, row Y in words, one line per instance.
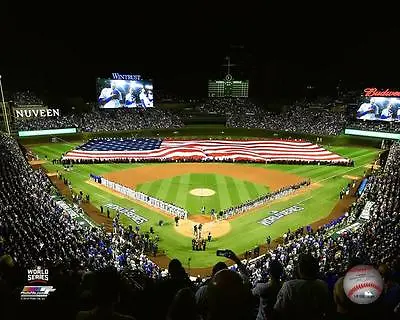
column 217, row 228
column 202, row 192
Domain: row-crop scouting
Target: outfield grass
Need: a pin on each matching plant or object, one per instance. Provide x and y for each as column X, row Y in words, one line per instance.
column 246, row 232
column 228, row 191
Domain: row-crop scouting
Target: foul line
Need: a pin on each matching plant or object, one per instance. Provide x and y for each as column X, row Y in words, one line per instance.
column 65, row 142
column 339, row 174
column 304, row 200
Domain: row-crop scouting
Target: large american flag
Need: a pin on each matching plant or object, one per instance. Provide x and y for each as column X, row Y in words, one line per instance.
column 238, row 150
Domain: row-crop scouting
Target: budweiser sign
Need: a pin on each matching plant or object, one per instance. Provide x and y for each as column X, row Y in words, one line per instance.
column 374, row 92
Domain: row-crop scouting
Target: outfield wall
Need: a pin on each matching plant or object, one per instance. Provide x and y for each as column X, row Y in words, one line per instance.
column 211, row 131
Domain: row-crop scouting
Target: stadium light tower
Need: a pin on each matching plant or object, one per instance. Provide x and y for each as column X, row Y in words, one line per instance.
column 5, row 117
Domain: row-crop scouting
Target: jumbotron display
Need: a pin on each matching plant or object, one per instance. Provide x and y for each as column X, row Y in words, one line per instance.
column 112, row 93
column 380, row 105
column 228, row 88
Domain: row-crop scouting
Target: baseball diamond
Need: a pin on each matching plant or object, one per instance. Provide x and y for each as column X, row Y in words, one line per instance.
column 180, row 178
column 233, row 183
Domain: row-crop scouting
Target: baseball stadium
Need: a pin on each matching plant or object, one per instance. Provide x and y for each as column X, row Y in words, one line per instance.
column 142, row 196
column 144, row 202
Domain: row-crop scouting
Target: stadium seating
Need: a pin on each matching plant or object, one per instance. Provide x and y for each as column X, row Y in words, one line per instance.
column 106, row 121
column 298, row 119
column 239, row 113
column 26, row 98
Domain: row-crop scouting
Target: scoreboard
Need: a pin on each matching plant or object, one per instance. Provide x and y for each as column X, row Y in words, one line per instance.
column 228, row 88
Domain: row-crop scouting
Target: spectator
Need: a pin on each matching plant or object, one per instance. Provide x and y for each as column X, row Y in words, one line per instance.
column 183, row 306
column 342, row 302
column 391, row 291
column 306, row 297
column 267, row 292
column 167, row 288
column 228, row 297
column 106, row 293
column 201, row 293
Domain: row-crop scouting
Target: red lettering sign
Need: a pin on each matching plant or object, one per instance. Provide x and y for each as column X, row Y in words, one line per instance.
column 374, row 92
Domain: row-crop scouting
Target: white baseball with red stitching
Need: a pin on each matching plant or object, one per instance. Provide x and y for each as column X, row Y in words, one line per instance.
column 363, row 284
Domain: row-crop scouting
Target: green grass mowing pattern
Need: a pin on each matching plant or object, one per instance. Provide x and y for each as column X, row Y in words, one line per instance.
column 223, row 193
column 246, row 232
column 183, row 189
column 251, row 189
column 228, row 191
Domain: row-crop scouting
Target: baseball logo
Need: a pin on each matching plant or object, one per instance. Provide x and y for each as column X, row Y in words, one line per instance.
column 363, row 284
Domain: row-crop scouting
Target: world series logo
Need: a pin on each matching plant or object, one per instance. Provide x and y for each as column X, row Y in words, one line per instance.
column 37, row 292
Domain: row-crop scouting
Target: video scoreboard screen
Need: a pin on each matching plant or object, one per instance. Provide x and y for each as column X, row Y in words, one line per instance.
column 124, row 91
column 383, row 105
column 228, row 88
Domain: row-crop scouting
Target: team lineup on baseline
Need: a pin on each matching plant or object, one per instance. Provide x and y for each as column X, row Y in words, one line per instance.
column 281, row 185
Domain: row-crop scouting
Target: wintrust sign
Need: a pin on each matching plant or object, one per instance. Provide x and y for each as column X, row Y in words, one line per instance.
column 36, row 113
column 118, row 76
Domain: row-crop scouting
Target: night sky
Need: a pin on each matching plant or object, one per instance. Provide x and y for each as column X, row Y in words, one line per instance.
column 62, row 48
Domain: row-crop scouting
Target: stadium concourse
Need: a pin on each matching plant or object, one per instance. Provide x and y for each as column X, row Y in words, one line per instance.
column 93, row 269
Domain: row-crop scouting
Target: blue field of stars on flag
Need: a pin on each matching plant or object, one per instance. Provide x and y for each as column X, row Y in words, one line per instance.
column 121, row 144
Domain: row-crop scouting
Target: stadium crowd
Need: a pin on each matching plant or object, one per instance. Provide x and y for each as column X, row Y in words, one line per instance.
column 106, row 121
column 26, row 98
column 239, row 112
column 229, row 106
column 97, row 275
column 242, row 113
column 38, row 232
column 297, row 119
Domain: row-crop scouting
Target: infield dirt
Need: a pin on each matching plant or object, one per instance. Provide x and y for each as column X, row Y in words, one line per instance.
column 274, row 179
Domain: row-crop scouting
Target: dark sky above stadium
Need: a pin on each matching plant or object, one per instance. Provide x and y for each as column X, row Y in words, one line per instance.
column 63, row 46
